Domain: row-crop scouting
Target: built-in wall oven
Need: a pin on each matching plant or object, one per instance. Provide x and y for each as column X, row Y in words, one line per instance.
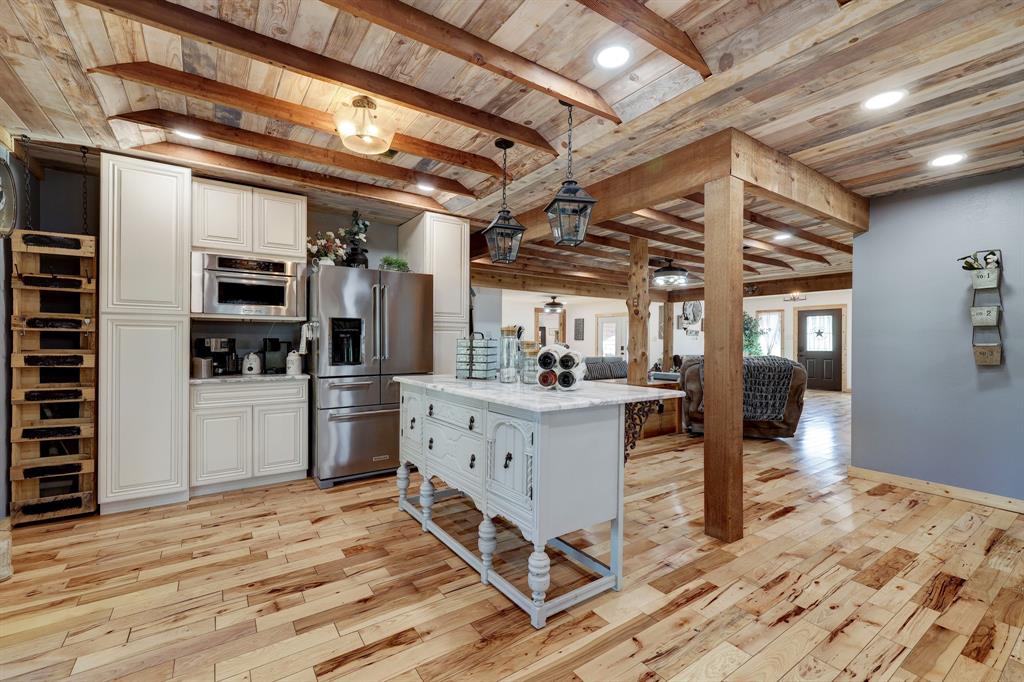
column 224, row 284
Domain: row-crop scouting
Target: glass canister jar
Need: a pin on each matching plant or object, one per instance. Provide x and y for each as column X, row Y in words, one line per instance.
column 508, row 357
column 528, row 363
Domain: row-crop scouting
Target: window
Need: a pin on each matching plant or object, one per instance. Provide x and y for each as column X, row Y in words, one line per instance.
column 819, row 333
column 608, row 342
column 770, row 323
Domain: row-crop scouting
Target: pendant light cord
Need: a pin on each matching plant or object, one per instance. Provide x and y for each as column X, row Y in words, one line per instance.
column 504, row 178
column 25, row 140
column 568, row 170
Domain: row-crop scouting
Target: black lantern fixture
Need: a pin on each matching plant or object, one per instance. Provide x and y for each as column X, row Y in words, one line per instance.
column 669, row 275
column 504, row 233
column 569, row 212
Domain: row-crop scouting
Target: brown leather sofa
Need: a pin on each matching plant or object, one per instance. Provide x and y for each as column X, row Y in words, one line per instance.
column 693, row 419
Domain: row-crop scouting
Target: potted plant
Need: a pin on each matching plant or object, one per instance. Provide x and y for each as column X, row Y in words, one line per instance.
column 751, row 335
column 355, row 235
column 325, row 249
column 394, row 263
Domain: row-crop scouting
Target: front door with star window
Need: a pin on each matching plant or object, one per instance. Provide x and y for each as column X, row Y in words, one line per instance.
column 819, row 348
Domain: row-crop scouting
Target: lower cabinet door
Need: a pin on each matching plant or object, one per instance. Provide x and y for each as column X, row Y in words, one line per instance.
column 221, row 445
column 280, row 438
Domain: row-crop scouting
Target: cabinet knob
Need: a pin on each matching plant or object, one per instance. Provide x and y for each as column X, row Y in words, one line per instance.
column 430, row 444
column 472, row 420
column 508, row 459
column 430, row 410
column 472, row 461
column 412, row 424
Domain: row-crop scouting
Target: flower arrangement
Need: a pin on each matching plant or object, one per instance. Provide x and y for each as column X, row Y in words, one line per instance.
column 356, row 233
column 326, row 245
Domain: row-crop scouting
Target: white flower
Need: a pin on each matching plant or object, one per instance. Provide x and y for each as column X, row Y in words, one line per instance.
column 362, row 237
column 311, row 247
column 330, row 235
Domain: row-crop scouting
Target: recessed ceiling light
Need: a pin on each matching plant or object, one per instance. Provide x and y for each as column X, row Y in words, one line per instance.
column 425, row 186
column 782, row 237
column 187, row 135
column 612, row 57
column 884, row 99
column 947, row 160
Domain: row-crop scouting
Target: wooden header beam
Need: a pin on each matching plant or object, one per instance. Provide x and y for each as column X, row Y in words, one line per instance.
column 567, row 285
column 195, row 156
column 191, row 85
column 440, row 35
column 776, row 287
column 254, row 45
column 170, row 120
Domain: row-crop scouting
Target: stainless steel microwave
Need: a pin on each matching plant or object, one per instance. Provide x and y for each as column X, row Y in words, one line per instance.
column 225, row 284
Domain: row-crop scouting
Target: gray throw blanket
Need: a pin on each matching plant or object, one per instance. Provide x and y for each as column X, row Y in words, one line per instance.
column 766, row 382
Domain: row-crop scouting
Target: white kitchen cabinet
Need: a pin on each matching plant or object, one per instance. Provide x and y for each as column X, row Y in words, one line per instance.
column 145, row 232
column 248, row 432
column 143, row 415
column 280, row 443
column 222, row 216
column 438, row 245
column 221, row 445
column 279, row 224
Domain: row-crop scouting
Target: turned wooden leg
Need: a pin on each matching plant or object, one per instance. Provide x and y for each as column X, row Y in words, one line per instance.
column 426, row 499
column 487, row 544
column 539, row 580
column 403, row 483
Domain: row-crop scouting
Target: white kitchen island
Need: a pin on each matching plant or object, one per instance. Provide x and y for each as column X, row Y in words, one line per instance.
column 551, row 462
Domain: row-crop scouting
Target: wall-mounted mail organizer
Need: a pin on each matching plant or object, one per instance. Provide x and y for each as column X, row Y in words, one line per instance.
column 987, row 307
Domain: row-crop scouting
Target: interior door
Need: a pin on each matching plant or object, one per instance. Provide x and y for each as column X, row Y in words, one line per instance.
column 819, row 347
column 407, row 328
column 611, row 336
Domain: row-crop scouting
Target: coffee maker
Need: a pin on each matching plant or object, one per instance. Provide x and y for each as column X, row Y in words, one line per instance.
column 275, row 354
column 221, row 351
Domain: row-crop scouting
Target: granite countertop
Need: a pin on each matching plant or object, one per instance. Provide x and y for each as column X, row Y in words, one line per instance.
column 248, row 379
column 536, row 399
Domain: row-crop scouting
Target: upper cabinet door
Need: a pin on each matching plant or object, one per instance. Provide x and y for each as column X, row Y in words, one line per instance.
column 145, row 231
column 448, row 245
column 279, row 224
column 221, row 216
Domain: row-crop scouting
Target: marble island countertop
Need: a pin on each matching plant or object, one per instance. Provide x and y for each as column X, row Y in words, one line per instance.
column 248, row 379
column 536, row 399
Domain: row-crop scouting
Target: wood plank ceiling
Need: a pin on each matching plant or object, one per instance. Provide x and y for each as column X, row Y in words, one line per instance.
column 792, row 74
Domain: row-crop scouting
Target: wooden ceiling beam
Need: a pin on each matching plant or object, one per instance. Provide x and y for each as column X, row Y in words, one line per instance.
column 544, row 284
column 783, row 228
column 675, row 221
column 775, row 287
column 656, row 261
column 170, row 120
column 191, row 85
column 644, row 23
column 551, row 272
column 440, row 35
column 681, row 256
column 194, row 156
column 254, row 45
column 651, row 235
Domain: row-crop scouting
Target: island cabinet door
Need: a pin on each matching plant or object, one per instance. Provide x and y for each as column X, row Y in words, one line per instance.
column 412, row 419
column 510, row 468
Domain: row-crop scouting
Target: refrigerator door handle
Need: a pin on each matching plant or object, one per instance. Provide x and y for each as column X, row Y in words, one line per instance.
column 384, row 331
column 357, row 415
column 376, row 322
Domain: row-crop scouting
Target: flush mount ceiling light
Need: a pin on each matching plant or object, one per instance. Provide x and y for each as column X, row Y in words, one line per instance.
column 782, row 237
column 363, row 128
column 187, row 135
column 947, row 160
column 553, row 306
column 505, row 233
column 669, row 275
column 569, row 212
column 612, row 57
column 425, row 186
column 884, row 99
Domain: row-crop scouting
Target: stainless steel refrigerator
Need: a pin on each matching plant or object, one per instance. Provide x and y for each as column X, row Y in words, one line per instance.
column 367, row 327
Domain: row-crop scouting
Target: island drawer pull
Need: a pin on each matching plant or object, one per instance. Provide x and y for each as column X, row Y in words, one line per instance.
column 472, row 420
column 430, row 444
column 430, row 410
column 472, row 461
column 508, row 459
column 412, row 424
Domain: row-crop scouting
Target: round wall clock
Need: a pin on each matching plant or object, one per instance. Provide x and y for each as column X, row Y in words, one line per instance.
column 8, row 200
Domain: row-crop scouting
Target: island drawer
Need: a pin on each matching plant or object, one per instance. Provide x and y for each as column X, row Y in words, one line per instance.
column 459, row 415
column 456, row 456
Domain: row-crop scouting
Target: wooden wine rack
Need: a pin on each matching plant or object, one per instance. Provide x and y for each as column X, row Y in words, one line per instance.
column 53, row 363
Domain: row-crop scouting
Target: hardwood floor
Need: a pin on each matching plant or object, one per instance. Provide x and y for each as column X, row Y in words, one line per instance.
column 836, row 579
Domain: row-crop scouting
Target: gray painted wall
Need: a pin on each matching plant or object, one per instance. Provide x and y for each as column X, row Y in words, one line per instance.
column 381, row 239
column 921, row 407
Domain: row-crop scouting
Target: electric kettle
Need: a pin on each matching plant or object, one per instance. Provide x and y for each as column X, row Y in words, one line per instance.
column 252, row 364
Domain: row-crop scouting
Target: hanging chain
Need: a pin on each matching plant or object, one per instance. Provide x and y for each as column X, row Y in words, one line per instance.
column 504, row 178
column 85, row 190
column 25, row 139
column 568, row 170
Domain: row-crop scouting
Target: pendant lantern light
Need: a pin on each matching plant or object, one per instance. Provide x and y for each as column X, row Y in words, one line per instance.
column 569, row 212
column 669, row 275
column 363, row 128
column 505, row 233
column 554, row 306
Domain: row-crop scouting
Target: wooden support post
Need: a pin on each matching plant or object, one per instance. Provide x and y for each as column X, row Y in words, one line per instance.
column 639, row 308
column 723, row 359
column 668, row 310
